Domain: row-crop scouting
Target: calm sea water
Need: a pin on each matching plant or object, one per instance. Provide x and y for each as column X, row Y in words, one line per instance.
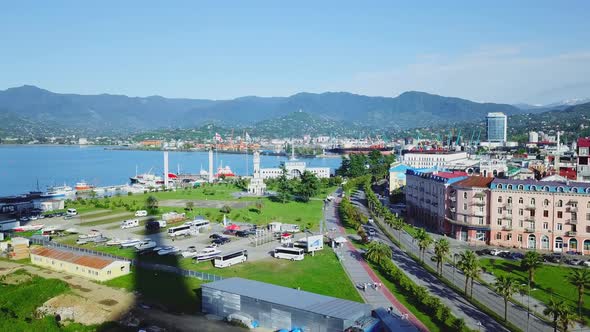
column 21, row 167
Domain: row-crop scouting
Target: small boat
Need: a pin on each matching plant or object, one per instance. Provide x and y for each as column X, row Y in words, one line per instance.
column 27, row 228
column 113, row 242
column 208, row 253
column 130, row 243
column 145, row 245
column 168, row 251
column 83, row 186
column 190, row 252
column 92, row 235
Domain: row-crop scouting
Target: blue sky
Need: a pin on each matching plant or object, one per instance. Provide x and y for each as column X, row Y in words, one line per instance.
column 501, row 51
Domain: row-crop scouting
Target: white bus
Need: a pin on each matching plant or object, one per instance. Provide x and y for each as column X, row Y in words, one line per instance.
column 294, row 254
column 129, row 223
column 184, row 230
column 231, row 258
column 200, row 223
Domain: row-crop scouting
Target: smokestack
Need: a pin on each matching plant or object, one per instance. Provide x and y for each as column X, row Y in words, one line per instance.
column 210, row 166
column 165, row 169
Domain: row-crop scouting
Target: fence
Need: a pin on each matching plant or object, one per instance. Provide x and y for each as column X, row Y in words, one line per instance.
column 143, row 265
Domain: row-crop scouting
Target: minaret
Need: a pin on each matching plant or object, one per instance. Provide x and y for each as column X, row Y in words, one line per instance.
column 292, row 150
column 210, row 174
column 165, row 169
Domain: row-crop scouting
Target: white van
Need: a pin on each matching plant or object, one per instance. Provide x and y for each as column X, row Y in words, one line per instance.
column 129, row 223
column 141, row 213
column 72, row 212
column 291, row 228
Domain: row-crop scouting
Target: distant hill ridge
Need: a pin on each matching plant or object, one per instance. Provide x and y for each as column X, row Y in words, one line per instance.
column 106, row 112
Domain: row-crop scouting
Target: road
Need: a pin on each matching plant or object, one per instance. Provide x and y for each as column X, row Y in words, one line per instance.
column 517, row 315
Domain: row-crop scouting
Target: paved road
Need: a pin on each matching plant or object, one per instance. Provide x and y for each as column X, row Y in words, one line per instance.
column 516, row 314
column 360, row 273
column 459, row 306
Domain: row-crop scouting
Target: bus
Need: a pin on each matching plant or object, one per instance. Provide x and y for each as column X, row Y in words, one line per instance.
column 293, row 253
column 184, row 230
column 200, row 223
column 231, row 258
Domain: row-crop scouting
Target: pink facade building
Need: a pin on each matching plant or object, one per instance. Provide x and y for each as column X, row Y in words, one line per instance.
column 468, row 212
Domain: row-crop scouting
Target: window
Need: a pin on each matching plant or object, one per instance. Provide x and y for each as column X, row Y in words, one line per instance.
column 559, row 214
column 508, row 236
column 465, row 195
column 532, row 201
column 464, row 206
column 509, row 211
column 520, row 200
column 464, row 218
column 559, row 226
column 588, row 205
column 520, row 223
column 546, row 202
column 509, row 200
column 480, row 220
column 499, row 221
column 498, row 236
column 520, row 187
column 519, row 237
column 532, row 213
column 500, row 199
column 520, row 212
column 500, row 211
column 546, row 214
column 587, row 216
column 545, row 225
column 480, row 209
column 559, row 203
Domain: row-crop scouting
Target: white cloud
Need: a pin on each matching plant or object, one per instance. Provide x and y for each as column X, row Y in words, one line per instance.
column 505, row 74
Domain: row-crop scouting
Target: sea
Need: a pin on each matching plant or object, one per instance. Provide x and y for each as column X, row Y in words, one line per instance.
column 25, row 168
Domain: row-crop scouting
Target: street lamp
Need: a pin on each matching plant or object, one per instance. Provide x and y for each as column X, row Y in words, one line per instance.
column 528, row 304
column 479, row 325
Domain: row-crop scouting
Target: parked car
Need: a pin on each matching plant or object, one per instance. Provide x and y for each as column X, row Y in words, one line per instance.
column 215, row 236
column 242, row 234
column 372, row 232
column 497, row 252
column 553, row 258
column 221, row 241
column 141, row 213
column 371, row 220
column 574, row 261
column 516, row 255
column 505, row 254
column 483, row 252
column 585, row 263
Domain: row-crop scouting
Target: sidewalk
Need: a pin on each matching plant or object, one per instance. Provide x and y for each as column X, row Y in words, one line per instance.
column 359, row 273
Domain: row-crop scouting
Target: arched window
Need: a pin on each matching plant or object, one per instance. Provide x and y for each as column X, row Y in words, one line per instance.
column 532, row 201
column 500, row 200
column 560, row 189
column 575, row 190
column 546, row 188
column 546, row 202
column 509, row 187
column 509, row 199
column 520, row 187
column 500, row 186
column 533, row 187
column 544, row 242
column 520, row 200
column 559, row 203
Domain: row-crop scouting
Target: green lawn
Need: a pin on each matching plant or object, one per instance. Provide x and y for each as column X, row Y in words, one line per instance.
column 550, row 281
column 108, row 220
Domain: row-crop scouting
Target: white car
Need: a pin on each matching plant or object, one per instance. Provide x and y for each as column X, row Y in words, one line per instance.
column 371, row 220
column 496, row 252
column 329, row 198
column 141, row 213
column 586, row 263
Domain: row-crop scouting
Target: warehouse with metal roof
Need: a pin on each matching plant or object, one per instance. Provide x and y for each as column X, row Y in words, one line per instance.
column 278, row 307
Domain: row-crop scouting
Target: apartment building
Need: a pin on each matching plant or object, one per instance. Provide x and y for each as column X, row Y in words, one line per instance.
column 468, row 213
column 433, row 158
column 426, row 196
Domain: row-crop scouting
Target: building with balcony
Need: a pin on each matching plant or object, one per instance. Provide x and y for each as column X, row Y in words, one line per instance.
column 433, row 158
column 583, row 164
column 468, row 215
column 540, row 215
column 426, row 196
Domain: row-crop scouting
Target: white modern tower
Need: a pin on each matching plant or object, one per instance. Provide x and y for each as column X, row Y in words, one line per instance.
column 497, row 127
column 165, row 169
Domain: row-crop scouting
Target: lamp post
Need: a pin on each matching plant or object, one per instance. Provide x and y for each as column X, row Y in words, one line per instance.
column 528, row 304
column 479, row 325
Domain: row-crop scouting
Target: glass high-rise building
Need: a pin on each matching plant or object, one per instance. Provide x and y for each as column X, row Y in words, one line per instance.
column 497, row 127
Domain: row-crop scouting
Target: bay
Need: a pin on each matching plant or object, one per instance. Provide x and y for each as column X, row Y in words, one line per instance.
column 23, row 166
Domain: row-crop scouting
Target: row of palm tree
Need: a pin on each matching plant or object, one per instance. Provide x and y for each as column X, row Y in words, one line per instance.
column 561, row 314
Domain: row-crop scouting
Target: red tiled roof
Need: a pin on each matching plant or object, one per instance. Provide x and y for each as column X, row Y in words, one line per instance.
column 67, row 256
column 450, row 175
column 584, row 142
column 475, row 181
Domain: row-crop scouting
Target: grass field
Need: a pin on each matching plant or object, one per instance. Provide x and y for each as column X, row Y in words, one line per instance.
column 550, row 281
column 19, row 302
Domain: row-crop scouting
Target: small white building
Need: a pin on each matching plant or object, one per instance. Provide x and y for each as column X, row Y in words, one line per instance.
column 429, row 159
column 257, row 185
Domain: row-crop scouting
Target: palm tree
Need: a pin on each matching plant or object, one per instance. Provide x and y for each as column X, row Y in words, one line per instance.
column 474, row 272
column 566, row 318
column 466, row 263
column 552, row 310
column 531, row 262
column 505, row 287
column 378, row 252
column 424, row 241
column 580, row 278
column 398, row 224
column 441, row 249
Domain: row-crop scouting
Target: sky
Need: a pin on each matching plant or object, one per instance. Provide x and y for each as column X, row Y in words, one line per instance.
column 533, row 52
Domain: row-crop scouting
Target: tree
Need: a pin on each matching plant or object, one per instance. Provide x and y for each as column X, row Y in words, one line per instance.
column 225, row 209
column 424, row 241
column 398, row 224
column 309, row 186
column 441, row 249
column 151, row 202
column 190, row 205
column 566, row 318
column 378, row 252
column 467, row 262
column 506, row 287
column 580, row 278
column 284, row 188
column 530, row 262
column 259, row 205
column 552, row 310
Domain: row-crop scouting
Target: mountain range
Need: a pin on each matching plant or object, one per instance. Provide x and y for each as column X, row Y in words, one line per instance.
column 106, row 113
